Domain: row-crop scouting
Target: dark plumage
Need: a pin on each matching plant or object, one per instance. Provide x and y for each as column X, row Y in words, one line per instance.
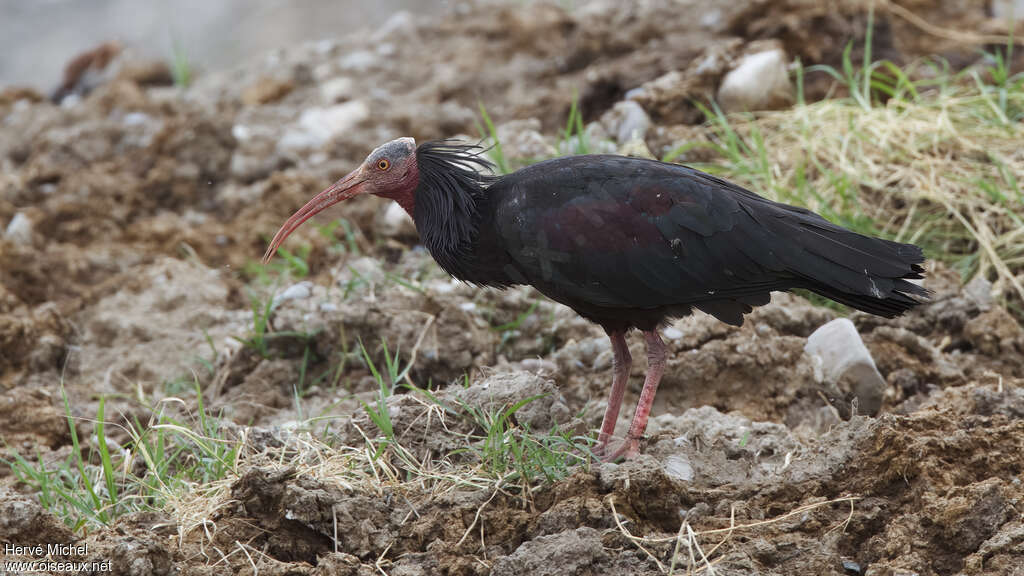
column 628, row 243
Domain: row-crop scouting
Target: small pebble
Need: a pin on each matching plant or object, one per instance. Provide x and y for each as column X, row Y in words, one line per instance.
column 297, row 291
column 19, row 229
column 672, row 333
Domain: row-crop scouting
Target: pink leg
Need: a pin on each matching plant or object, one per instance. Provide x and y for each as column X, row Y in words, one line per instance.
column 656, row 352
column 622, row 362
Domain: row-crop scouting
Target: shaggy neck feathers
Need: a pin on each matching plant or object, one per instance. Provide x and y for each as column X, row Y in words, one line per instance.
column 445, row 202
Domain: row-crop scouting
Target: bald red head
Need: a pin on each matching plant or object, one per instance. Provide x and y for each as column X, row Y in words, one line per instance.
column 389, row 171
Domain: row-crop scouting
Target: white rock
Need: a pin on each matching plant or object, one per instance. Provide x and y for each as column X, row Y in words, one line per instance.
column 297, row 291
column 317, row 126
column 1007, row 9
column 711, row 19
column 136, row 119
column 395, row 222
column 325, row 46
column 760, row 81
column 400, row 26
column 626, row 121
column 443, row 286
column 672, row 333
column 358, row 61
column 839, row 356
column 979, row 289
column 522, row 139
column 241, row 132
column 678, row 466
column 19, row 229
column 336, row 89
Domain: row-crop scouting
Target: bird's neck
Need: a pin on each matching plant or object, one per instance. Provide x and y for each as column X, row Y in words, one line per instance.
column 405, row 198
column 447, row 219
column 447, row 205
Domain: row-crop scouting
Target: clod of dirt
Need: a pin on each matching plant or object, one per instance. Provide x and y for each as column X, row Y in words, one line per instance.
column 546, row 406
column 188, row 297
column 1008, row 402
column 23, row 522
column 267, row 91
column 339, row 564
column 1000, row 554
column 969, row 515
column 669, row 98
column 299, row 516
column 703, row 445
column 995, row 333
column 33, row 342
column 139, row 555
column 262, row 393
column 31, row 418
column 571, row 553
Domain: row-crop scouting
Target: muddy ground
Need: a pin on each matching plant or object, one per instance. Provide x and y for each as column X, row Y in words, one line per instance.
column 127, row 273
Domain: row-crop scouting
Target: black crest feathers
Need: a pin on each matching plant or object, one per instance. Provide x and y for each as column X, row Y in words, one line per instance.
column 452, row 179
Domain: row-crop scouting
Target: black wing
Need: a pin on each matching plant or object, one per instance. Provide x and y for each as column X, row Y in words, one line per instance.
column 616, row 232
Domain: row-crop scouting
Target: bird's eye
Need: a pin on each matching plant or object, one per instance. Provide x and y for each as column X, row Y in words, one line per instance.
column 383, row 164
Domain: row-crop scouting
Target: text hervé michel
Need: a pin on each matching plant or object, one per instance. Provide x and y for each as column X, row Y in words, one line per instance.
column 40, row 550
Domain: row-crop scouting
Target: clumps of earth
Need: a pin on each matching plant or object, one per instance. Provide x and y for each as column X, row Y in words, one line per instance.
column 132, row 216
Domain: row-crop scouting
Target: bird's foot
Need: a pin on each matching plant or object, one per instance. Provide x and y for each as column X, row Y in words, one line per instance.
column 629, row 449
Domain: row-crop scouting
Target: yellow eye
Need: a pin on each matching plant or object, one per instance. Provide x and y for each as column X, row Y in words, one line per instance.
column 383, row 164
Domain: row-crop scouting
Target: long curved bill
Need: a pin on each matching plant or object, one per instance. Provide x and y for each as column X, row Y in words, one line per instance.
column 343, row 189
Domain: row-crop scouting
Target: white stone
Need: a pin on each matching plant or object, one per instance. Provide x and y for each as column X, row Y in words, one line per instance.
column 297, row 291
column 443, row 286
column 678, row 466
column 522, row 139
column 359, row 61
column 672, row 333
column 979, row 289
column 19, row 229
column 325, row 46
column 395, row 222
column 839, row 355
column 1007, row 9
column 317, row 126
column 760, row 81
column 711, row 19
column 241, row 132
column 400, row 26
column 627, row 121
column 336, row 89
column 136, row 119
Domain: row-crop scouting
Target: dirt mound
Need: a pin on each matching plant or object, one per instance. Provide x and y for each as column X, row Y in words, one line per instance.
column 924, row 492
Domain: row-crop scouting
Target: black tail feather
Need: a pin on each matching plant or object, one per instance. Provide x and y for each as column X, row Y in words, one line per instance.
column 889, row 307
column 866, row 273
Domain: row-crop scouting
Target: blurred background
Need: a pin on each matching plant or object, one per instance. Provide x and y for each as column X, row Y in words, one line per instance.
column 38, row 37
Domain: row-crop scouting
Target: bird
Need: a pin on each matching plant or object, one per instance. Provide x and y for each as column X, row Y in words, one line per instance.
column 628, row 243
